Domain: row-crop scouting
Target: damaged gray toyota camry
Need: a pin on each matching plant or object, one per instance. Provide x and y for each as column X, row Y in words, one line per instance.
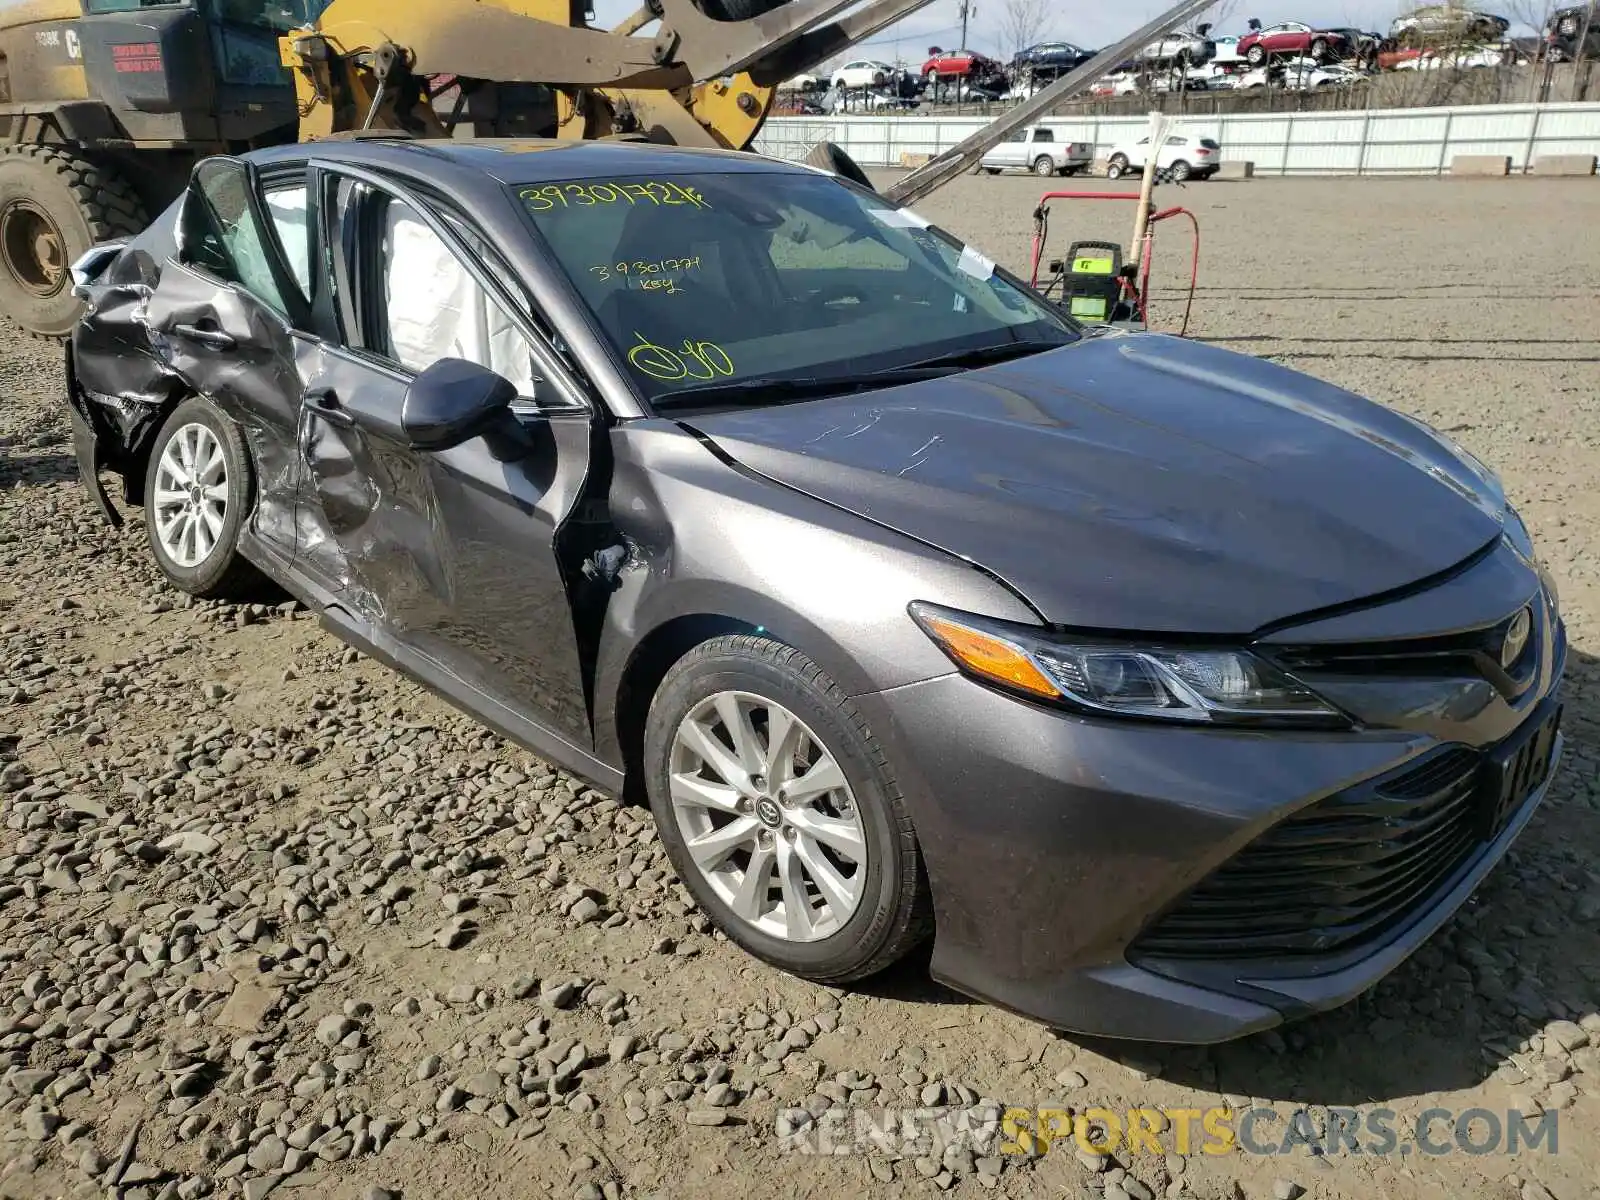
column 1173, row 693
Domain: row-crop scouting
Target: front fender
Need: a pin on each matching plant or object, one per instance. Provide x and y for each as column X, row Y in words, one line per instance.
column 716, row 547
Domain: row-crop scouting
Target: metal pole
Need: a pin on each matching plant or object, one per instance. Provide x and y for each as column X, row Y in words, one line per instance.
column 1141, row 217
column 957, row 159
column 966, row 8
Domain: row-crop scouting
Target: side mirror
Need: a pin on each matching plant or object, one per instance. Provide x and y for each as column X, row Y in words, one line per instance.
column 452, row 402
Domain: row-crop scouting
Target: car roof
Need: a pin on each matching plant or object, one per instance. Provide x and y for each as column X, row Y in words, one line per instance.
column 515, row 161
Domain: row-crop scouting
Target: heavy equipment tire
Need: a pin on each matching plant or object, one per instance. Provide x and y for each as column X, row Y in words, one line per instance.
column 725, row 698
column 55, row 205
column 736, row 10
column 830, row 157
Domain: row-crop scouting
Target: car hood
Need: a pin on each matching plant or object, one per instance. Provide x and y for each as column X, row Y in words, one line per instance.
column 1140, row 482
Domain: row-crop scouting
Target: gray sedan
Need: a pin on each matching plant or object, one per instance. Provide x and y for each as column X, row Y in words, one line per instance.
column 1172, row 692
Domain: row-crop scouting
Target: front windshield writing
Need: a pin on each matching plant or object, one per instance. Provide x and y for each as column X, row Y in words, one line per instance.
column 698, row 279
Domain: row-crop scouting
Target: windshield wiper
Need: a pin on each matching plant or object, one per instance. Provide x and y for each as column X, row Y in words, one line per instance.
column 984, row 355
column 761, row 389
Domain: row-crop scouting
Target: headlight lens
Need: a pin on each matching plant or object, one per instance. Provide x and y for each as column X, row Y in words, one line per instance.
column 1200, row 686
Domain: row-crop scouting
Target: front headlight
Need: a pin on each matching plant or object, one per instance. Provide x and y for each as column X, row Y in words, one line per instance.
column 1198, row 686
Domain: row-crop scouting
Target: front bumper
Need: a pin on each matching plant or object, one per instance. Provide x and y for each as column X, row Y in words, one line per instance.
column 1053, row 842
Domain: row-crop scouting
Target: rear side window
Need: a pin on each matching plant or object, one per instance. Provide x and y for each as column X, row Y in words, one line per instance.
column 1044, row 135
column 235, row 248
column 286, row 206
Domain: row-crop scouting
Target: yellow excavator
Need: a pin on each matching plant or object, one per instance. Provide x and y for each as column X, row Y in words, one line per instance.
column 105, row 105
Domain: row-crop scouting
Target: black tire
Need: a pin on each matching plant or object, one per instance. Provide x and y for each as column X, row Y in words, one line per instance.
column 1256, row 55
column 830, row 157
column 1319, row 50
column 1044, row 165
column 50, row 197
column 1178, row 171
column 1116, row 167
column 736, row 10
column 224, row 572
column 895, row 912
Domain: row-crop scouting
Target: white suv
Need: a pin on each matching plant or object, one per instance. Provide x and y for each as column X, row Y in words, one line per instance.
column 1182, row 156
column 863, row 73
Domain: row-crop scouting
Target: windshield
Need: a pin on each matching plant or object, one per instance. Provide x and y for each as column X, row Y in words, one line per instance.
column 698, row 279
column 282, row 15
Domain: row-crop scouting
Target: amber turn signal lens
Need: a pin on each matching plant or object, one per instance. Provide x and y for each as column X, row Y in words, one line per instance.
column 987, row 655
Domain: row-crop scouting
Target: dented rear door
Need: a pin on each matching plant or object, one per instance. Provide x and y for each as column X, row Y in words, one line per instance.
column 232, row 317
column 250, row 362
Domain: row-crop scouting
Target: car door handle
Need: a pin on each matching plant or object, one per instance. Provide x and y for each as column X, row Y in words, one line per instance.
column 206, row 336
column 324, row 402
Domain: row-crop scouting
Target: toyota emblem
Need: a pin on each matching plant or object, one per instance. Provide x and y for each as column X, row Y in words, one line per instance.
column 1516, row 638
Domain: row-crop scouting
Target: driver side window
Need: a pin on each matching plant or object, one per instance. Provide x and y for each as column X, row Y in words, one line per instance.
column 435, row 308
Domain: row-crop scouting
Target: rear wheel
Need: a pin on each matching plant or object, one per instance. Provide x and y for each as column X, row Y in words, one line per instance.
column 1044, row 165
column 780, row 814
column 1178, row 171
column 197, row 492
column 53, row 207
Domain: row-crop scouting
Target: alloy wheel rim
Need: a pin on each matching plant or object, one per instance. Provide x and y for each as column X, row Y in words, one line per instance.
column 191, row 500
column 767, row 817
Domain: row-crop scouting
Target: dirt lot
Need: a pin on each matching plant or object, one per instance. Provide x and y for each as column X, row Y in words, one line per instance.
column 274, row 920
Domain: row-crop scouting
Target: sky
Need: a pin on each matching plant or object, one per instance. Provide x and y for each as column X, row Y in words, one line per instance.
column 1092, row 25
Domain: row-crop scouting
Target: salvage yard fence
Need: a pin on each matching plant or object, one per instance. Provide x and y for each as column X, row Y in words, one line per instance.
column 1414, row 141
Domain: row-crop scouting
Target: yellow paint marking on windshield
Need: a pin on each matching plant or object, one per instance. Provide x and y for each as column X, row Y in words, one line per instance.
column 638, row 267
column 696, row 360
column 663, row 193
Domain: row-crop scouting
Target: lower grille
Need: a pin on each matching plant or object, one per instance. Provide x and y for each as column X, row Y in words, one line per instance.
column 1337, row 873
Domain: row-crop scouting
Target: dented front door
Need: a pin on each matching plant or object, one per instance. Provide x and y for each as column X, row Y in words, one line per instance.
column 452, row 555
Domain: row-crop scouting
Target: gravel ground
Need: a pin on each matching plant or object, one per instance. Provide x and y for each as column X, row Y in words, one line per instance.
column 274, row 920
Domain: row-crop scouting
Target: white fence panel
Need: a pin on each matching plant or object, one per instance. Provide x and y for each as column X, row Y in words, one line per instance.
column 1414, row 141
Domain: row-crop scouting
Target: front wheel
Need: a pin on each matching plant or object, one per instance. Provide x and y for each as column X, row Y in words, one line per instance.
column 1319, row 50
column 1117, row 167
column 1044, row 165
column 1256, row 55
column 198, row 489
column 780, row 813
